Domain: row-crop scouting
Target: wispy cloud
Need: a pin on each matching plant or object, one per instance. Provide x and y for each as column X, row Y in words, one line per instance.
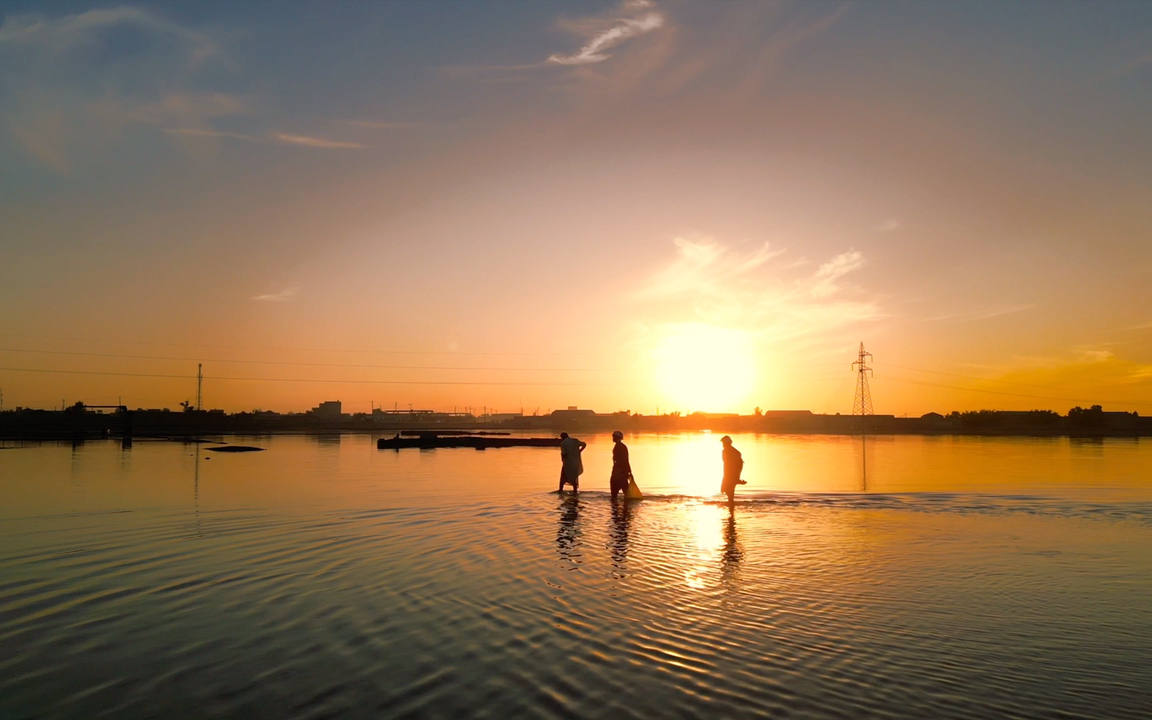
column 1096, row 355
column 283, row 296
column 197, row 107
column 784, row 40
column 703, row 266
column 984, row 314
column 75, row 83
column 888, row 226
column 1135, row 64
column 315, row 142
column 200, row 132
column 642, row 19
column 378, row 124
column 1000, row 311
column 272, row 139
column 833, row 270
column 60, row 35
column 716, row 284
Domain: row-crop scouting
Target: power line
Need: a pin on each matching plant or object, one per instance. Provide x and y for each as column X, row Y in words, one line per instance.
column 122, row 356
column 94, row 372
column 285, row 349
column 309, row 364
column 973, row 377
column 311, row 380
column 1001, row 392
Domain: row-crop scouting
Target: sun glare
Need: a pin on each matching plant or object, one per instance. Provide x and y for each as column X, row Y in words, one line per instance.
column 701, row 367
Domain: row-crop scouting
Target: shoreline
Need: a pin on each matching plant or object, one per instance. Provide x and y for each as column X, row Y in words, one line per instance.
column 207, row 436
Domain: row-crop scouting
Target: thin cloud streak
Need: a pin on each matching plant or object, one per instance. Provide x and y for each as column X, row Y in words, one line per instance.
column 197, row 132
column 1133, row 65
column 982, row 315
column 594, row 50
column 283, row 296
column 275, row 139
column 378, row 125
column 316, row 142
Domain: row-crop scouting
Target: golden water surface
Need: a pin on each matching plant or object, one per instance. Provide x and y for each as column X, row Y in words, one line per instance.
column 897, row 577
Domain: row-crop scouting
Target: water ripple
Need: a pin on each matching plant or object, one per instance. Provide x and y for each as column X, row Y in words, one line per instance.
column 893, row 605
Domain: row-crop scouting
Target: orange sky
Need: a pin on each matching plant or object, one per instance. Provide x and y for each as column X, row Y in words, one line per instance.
column 617, row 206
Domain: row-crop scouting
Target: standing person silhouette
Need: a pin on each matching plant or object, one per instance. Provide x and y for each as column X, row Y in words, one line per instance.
column 571, row 466
column 733, row 464
column 621, row 468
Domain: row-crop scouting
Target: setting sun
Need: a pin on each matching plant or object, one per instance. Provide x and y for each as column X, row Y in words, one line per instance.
column 701, row 367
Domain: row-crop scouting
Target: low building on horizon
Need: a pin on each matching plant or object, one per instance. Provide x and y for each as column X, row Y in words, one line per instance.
column 329, row 410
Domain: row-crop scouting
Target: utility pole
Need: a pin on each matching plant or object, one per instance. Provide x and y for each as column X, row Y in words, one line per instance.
column 199, row 385
column 862, row 404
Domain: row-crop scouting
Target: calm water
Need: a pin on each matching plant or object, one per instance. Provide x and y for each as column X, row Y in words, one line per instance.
column 956, row 578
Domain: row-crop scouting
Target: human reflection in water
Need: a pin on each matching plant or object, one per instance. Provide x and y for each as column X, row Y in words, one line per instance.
column 621, row 523
column 568, row 530
column 733, row 553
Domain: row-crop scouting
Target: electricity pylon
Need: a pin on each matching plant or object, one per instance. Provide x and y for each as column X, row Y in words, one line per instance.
column 862, row 405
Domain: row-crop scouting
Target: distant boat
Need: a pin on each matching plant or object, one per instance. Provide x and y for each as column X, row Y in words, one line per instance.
column 429, row 441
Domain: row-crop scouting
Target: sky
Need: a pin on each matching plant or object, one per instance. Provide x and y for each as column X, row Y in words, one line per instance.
column 646, row 206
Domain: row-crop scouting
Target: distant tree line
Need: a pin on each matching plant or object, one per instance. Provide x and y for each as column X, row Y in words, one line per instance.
column 1078, row 418
column 989, row 419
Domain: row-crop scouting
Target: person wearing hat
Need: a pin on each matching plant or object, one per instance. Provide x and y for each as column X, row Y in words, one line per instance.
column 733, row 464
column 621, row 468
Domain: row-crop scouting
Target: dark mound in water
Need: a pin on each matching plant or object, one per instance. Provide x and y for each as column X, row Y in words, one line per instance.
column 236, row 448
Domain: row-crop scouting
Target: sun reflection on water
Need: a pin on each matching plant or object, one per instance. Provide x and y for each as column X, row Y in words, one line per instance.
column 445, row 570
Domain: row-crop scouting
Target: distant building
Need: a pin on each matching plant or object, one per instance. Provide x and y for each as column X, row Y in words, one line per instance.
column 395, row 418
column 505, row 417
column 330, row 410
column 1120, row 420
column 573, row 417
column 934, row 421
column 787, row 414
column 788, row 421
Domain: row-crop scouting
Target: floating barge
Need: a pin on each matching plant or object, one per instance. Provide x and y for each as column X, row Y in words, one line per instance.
column 430, row 441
